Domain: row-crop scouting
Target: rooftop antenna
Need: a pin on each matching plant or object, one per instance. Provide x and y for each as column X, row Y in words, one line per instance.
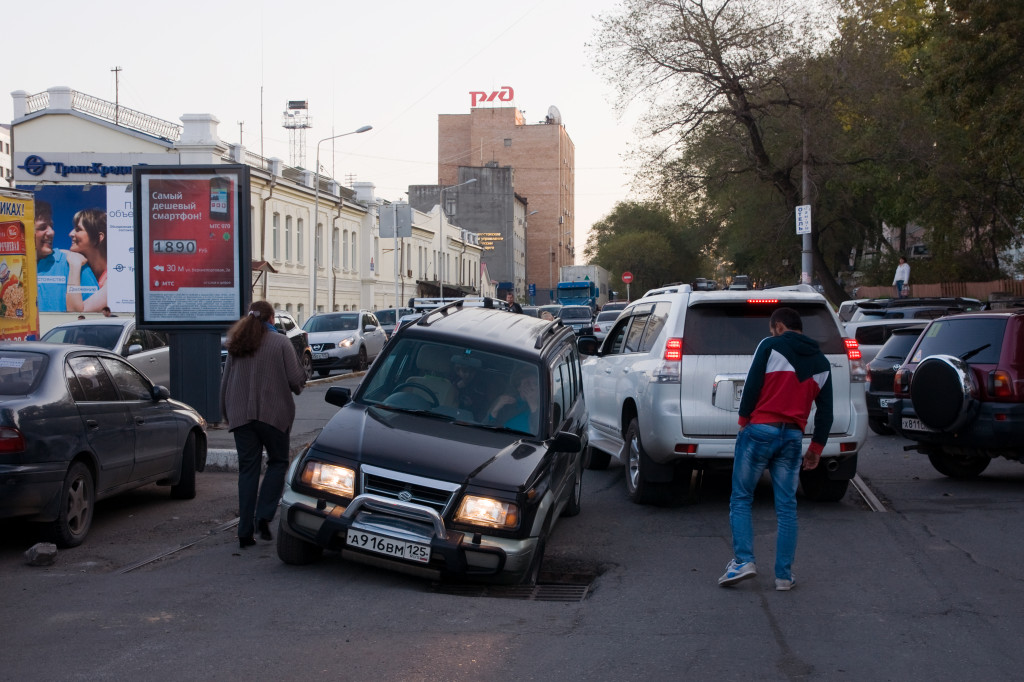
column 117, row 93
column 297, row 121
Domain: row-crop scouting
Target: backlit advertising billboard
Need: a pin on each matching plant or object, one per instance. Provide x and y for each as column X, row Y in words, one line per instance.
column 192, row 245
column 19, row 319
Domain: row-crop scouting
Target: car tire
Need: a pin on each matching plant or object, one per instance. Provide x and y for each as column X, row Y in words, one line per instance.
column 879, row 426
column 294, row 551
column 958, row 466
column 185, row 489
column 575, row 503
column 361, row 362
column 307, row 365
column 818, row 487
column 77, row 503
column 638, row 488
column 597, row 460
column 323, row 372
column 943, row 393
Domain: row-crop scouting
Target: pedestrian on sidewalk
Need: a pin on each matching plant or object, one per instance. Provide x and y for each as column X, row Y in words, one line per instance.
column 260, row 375
column 902, row 279
column 787, row 374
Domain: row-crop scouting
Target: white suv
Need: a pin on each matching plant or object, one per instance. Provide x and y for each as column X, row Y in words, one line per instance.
column 664, row 389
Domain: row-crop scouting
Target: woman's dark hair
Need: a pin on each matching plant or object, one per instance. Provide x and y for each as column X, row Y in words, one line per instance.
column 44, row 210
column 246, row 335
column 94, row 222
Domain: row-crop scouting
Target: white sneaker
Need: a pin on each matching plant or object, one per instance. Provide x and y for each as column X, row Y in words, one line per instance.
column 735, row 572
column 783, row 585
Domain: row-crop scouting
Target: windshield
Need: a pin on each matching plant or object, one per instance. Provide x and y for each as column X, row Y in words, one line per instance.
column 459, row 384
column 102, row 335
column 20, row 371
column 386, row 317
column 575, row 313
column 332, row 323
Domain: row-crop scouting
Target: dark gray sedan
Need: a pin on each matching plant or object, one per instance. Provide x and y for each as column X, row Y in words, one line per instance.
column 78, row 424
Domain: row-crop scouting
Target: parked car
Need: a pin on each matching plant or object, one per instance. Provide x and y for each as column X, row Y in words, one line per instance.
column 919, row 308
column 960, row 393
column 531, row 310
column 552, row 308
column 848, row 308
column 614, row 305
column 349, row 340
column 579, row 317
column 422, row 477
column 147, row 350
column 78, row 424
column 702, row 284
column 389, row 317
column 664, row 389
column 285, row 324
column 871, row 333
column 604, row 321
column 882, row 371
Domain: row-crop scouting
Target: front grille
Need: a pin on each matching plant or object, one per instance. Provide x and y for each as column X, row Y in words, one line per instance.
column 437, row 495
column 318, row 347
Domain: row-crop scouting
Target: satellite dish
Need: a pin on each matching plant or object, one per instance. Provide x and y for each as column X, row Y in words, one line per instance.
column 554, row 115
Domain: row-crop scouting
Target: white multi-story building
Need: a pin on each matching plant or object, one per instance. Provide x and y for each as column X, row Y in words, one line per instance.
column 6, row 169
column 76, row 151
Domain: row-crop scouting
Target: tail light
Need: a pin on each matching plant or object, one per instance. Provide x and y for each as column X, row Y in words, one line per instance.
column 763, row 301
column 858, row 373
column 999, row 384
column 670, row 370
column 901, row 383
column 11, row 440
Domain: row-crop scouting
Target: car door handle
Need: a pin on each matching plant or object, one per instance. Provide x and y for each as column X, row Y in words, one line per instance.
column 140, row 420
column 92, row 423
column 607, row 370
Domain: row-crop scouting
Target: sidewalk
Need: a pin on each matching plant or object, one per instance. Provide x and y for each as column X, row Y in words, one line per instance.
column 312, row 412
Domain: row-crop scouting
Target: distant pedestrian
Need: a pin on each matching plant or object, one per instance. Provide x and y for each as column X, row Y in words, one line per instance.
column 106, row 312
column 260, row 375
column 902, row 279
column 512, row 305
column 787, row 374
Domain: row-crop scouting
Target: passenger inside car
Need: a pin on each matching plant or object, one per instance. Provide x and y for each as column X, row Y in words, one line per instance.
column 470, row 387
column 519, row 411
column 434, row 364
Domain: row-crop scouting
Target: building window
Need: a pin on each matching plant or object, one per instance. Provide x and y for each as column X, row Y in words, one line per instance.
column 318, row 245
column 355, row 258
column 344, row 252
column 288, row 238
column 335, row 246
column 508, row 141
column 298, row 242
column 275, row 237
column 299, row 311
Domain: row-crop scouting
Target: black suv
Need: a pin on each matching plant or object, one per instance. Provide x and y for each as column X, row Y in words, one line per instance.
column 960, row 393
column 920, row 308
column 882, row 371
column 456, row 455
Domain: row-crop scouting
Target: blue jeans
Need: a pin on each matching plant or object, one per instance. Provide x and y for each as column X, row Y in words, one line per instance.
column 899, row 288
column 255, row 500
column 760, row 447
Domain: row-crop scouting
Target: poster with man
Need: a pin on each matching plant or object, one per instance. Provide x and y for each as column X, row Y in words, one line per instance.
column 84, row 248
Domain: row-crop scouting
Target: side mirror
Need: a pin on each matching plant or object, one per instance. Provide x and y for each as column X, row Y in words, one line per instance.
column 134, row 348
column 369, row 328
column 587, row 345
column 567, row 442
column 160, row 393
column 339, row 396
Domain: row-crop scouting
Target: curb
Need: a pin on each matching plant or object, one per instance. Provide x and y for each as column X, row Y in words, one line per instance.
column 225, row 459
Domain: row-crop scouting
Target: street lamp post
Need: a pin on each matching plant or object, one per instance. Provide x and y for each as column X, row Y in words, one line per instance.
column 316, row 218
column 443, row 216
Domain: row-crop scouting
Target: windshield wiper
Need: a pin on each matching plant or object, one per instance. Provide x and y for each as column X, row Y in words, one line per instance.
column 971, row 353
column 423, row 413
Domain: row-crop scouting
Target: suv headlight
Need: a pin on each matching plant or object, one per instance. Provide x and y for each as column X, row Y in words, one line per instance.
column 330, row 478
column 347, row 342
column 487, row 511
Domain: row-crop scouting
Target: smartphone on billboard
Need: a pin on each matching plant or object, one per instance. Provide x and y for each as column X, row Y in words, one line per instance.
column 220, row 189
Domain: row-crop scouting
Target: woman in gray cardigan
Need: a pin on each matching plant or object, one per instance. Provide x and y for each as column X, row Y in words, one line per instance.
column 260, row 375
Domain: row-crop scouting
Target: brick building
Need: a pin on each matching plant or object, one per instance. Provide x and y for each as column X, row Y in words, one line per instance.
column 543, row 158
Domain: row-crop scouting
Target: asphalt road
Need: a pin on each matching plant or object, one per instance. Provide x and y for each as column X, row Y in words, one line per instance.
column 929, row 589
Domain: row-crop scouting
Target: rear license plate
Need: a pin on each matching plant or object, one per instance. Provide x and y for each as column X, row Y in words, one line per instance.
column 884, row 402
column 910, row 424
column 413, row 551
column 319, row 356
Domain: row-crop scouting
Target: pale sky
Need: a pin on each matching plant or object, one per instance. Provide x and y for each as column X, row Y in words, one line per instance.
column 392, row 64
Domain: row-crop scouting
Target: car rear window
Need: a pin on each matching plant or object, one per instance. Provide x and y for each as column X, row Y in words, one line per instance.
column 575, row 313
column 980, row 340
column 898, row 345
column 20, row 372
column 102, row 335
column 736, row 328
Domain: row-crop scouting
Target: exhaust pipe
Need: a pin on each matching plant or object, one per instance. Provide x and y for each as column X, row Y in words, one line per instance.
column 832, row 465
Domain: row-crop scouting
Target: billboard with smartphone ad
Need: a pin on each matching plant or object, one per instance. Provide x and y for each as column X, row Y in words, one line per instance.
column 84, row 248
column 192, row 239
column 19, row 317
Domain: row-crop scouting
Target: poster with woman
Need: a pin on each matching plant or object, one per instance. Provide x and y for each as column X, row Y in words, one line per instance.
column 70, row 236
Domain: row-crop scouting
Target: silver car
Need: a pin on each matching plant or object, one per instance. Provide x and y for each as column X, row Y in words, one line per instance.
column 347, row 340
column 145, row 349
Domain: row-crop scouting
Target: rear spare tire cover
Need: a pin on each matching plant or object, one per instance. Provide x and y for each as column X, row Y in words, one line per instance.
column 943, row 392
